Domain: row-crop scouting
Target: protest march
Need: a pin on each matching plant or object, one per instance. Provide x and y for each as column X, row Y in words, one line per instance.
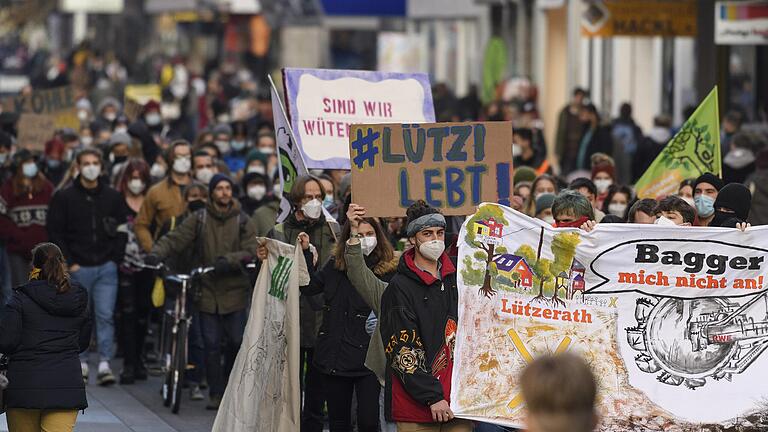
column 405, row 216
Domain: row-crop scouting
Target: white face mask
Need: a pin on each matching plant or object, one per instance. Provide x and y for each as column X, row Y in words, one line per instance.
column 182, row 165
column 110, row 117
column 662, row 220
column 121, row 129
column 549, row 219
column 368, row 244
column 617, row 209
column 603, row 185
column 82, row 115
column 87, row 141
column 257, row 192
column 313, row 209
column 223, row 146
column 432, row 250
column 690, row 201
column 136, row 186
column 91, row 172
column 157, row 170
column 266, row 150
column 256, row 169
column 204, row 175
column 153, row 118
column 277, row 189
column 516, row 150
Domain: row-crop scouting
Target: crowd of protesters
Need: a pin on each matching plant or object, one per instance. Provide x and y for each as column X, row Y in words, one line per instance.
column 193, row 180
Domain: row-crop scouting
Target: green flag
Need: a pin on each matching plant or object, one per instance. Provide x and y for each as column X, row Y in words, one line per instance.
column 694, row 150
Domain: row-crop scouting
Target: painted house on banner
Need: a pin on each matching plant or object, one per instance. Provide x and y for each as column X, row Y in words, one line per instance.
column 576, row 279
column 509, row 265
column 489, row 231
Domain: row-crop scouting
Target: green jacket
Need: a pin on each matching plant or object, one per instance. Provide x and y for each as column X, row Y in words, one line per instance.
column 265, row 216
column 322, row 237
column 370, row 289
column 222, row 235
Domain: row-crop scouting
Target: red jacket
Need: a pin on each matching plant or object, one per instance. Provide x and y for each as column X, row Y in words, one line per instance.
column 22, row 219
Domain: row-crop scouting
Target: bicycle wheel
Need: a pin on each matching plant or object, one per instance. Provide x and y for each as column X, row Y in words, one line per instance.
column 167, row 365
column 179, row 366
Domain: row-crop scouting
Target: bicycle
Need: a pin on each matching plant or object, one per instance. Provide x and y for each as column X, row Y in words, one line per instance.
column 174, row 336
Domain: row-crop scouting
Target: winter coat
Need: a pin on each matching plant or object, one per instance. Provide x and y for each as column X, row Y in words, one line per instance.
column 265, row 217
column 163, row 200
column 83, row 223
column 342, row 341
column 758, row 185
column 22, row 218
column 649, row 148
column 43, row 332
column 418, row 329
column 211, row 234
column 322, row 237
column 370, row 288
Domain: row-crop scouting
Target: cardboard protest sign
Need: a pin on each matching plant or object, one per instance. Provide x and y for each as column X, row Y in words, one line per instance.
column 322, row 104
column 657, row 311
column 41, row 113
column 452, row 166
column 34, row 130
column 263, row 392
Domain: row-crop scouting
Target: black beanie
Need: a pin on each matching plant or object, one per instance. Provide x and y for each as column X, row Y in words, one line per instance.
column 736, row 197
column 218, row 178
column 709, row 178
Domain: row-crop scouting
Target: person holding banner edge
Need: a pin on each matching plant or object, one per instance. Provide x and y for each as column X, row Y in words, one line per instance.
column 419, row 311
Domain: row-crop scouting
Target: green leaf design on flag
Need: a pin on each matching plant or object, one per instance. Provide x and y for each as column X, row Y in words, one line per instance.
column 694, row 150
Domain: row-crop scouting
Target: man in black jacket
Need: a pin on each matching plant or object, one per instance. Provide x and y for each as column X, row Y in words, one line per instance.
column 419, row 312
column 82, row 221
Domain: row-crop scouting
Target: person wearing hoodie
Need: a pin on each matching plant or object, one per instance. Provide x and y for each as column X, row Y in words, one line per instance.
column 107, row 112
column 343, row 340
column 732, row 207
column 705, row 192
column 44, row 326
column 422, row 302
column 221, row 236
column 758, row 186
column 739, row 162
column 24, row 200
column 83, row 221
column 652, row 145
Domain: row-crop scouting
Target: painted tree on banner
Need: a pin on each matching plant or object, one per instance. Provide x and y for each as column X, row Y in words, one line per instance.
column 488, row 250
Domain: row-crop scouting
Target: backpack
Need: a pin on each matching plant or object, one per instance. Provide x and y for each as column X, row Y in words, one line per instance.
column 623, row 134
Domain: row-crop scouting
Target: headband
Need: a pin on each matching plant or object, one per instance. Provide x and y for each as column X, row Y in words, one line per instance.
column 423, row 222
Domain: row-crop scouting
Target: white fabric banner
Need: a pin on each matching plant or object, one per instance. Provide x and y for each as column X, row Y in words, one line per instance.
column 657, row 311
column 263, row 393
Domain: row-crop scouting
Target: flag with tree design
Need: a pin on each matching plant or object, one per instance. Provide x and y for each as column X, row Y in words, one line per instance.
column 693, row 151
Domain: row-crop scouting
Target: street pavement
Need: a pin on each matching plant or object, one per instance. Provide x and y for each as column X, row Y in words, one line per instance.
column 137, row 408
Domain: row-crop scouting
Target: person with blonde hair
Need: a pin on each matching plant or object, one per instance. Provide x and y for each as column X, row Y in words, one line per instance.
column 560, row 393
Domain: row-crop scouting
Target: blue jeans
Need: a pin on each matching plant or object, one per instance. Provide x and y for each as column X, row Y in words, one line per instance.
column 214, row 328
column 196, row 349
column 101, row 284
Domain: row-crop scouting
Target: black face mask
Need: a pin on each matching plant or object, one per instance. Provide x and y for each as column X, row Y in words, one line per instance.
column 725, row 220
column 195, row 205
column 119, row 160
